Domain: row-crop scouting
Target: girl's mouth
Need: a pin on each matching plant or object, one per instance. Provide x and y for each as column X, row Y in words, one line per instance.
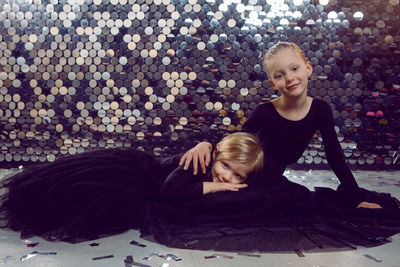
column 294, row 86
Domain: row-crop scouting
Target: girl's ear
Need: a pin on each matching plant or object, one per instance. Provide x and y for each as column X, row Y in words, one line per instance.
column 309, row 68
column 272, row 84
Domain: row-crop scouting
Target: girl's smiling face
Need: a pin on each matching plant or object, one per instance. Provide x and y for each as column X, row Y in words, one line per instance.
column 224, row 171
column 288, row 72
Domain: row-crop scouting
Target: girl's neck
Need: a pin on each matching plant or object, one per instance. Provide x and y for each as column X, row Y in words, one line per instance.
column 298, row 103
column 293, row 109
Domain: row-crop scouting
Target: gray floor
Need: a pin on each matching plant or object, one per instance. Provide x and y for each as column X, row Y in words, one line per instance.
column 38, row 252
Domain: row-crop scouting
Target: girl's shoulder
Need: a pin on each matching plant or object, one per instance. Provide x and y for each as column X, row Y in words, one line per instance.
column 320, row 106
column 319, row 101
column 265, row 106
column 321, row 111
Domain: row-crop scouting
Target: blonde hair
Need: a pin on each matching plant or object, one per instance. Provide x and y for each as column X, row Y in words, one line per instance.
column 278, row 47
column 241, row 147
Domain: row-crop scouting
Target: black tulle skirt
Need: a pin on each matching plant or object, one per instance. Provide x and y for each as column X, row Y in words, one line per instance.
column 282, row 217
column 105, row 192
column 81, row 197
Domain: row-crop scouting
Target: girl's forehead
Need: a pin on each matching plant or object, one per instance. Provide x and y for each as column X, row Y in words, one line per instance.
column 240, row 166
column 283, row 57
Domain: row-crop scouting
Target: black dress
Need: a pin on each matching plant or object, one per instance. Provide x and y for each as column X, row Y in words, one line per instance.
column 105, row 192
column 84, row 196
column 284, row 142
column 281, row 217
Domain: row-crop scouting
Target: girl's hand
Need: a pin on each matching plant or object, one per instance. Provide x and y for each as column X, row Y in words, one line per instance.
column 201, row 153
column 369, row 205
column 213, row 187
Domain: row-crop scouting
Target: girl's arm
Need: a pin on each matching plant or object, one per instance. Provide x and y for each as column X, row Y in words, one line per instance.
column 213, row 187
column 336, row 159
column 181, row 184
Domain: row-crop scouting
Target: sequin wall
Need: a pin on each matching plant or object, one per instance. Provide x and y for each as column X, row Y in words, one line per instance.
column 77, row 75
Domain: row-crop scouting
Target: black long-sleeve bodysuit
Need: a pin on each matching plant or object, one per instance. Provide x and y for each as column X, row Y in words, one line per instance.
column 284, row 141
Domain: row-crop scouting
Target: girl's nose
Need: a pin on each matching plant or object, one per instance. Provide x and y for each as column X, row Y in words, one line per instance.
column 289, row 77
column 226, row 177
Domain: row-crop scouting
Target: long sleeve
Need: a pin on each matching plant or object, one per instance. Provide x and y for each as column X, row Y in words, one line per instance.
column 335, row 156
column 182, row 185
column 171, row 160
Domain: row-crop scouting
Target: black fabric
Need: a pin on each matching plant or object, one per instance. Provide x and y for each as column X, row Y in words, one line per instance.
column 284, row 141
column 99, row 193
column 299, row 220
column 84, row 196
column 181, row 185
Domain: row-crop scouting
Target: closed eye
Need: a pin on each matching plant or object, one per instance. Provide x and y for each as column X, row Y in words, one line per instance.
column 238, row 176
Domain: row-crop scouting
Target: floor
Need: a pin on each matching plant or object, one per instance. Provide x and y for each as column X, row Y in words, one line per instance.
column 118, row 250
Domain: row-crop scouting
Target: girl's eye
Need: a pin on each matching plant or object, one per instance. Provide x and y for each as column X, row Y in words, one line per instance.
column 224, row 165
column 278, row 76
column 295, row 68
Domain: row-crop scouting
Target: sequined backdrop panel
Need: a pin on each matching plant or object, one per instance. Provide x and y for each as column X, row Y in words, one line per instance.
column 77, row 75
